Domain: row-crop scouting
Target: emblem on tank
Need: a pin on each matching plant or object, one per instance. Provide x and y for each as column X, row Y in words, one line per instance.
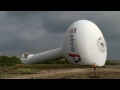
column 75, row 57
column 101, row 44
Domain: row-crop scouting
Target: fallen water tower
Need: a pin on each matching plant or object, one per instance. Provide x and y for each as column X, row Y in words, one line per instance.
column 84, row 44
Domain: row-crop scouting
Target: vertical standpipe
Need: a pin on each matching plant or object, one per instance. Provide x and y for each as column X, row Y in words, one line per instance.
column 54, row 54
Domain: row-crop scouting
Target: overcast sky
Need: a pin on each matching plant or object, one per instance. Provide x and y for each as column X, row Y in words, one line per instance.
column 39, row 31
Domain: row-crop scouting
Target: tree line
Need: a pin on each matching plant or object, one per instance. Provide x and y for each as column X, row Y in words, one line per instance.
column 11, row 61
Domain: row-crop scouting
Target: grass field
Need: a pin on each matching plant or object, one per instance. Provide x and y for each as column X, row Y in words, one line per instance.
column 59, row 71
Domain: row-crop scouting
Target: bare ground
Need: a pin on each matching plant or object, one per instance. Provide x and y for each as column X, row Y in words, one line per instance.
column 109, row 72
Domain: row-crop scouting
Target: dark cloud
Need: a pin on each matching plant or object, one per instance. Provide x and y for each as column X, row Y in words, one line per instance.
column 21, row 14
column 39, row 31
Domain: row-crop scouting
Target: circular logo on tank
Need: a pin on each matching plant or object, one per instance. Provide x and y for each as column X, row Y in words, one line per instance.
column 101, row 44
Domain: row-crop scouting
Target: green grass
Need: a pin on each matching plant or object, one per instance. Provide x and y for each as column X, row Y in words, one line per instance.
column 52, row 66
column 24, row 71
column 8, row 71
column 34, row 68
column 27, row 69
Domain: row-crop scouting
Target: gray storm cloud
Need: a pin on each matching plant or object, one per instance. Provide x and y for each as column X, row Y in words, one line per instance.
column 39, row 31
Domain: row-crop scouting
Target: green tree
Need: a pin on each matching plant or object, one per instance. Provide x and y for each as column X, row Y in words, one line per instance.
column 9, row 61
